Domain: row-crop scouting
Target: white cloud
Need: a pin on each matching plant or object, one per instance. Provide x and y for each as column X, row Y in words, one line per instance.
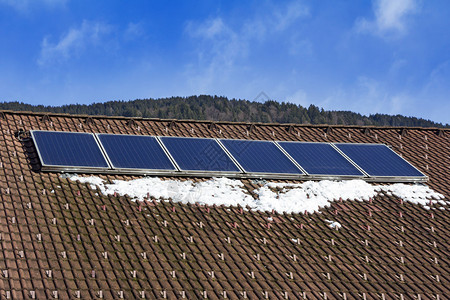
column 218, row 46
column 397, row 66
column 434, row 95
column 25, row 5
column 299, row 46
column 299, row 97
column 391, row 16
column 72, row 43
column 367, row 96
column 286, row 16
column 133, row 31
column 209, row 29
column 372, row 96
column 222, row 47
column 219, row 43
column 439, row 76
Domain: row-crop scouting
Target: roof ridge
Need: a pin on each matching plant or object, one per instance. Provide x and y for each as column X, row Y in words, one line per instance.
column 325, row 126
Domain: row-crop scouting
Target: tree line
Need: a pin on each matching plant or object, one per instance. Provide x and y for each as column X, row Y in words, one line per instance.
column 217, row 108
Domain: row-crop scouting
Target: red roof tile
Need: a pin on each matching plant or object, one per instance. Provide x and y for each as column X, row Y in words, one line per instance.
column 61, row 238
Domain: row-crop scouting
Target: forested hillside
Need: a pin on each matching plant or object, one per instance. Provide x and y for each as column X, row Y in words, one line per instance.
column 216, row 108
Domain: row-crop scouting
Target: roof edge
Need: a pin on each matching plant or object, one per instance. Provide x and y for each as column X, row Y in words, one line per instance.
column 325, row 126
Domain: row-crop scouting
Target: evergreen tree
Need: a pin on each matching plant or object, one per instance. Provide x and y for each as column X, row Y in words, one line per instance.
column 218, row 108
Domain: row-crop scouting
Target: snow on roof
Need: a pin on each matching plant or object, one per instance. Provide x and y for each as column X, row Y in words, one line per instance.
column 334, row 224
column 281, row 197
column 310, row 195
column 419, row 194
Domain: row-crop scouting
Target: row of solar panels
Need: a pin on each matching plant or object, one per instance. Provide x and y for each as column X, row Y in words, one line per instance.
column 138, row 154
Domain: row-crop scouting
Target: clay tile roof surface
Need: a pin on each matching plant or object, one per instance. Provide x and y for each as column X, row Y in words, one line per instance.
column 61, row 238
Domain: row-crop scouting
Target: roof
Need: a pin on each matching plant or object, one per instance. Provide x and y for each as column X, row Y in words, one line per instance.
column 64, row 238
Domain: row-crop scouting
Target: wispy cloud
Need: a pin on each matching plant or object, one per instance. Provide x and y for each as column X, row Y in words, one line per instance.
column 298, row 45
column 218, row 46
column 222, row 43
column 134, row 30
column 367, row 96
column 436, row 85
column 372, row 96
column 298, row 97
column 208, row 29
column 218, row 33
column 73, row 42
column 390, row 17
column 219, row 42
column 288, row 15
column 26, row 5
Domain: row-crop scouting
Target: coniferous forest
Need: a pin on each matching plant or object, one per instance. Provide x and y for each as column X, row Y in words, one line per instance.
column 216, row 108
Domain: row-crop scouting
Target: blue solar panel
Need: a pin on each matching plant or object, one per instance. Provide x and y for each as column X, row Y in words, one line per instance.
column 195, row 154
column 68, row 149
column 379, row 160
column 320, row 159
column 135, row 152
column 260, row 157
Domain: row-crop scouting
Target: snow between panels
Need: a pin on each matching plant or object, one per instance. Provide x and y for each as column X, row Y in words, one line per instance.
column 281, row 197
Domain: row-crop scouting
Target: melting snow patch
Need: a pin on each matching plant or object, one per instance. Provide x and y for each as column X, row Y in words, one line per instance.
column 334, row 224
column 215, row 191
column 92, row 180
column 419, row 194
column 281, row 197
column 311, row 195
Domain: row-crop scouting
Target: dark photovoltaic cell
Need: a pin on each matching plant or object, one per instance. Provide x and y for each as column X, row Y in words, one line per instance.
column 260, row 157
column 199, row 154
column 77, row 151
column 135, row 152
column 379, row 160
column 68, row 149
column 320, row 159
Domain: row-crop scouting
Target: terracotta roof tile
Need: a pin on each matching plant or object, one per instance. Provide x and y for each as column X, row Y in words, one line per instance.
column 61, row 237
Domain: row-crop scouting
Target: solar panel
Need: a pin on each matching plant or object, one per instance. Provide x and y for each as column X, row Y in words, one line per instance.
column 68, row 150
column 199, row 154
column 137, row 152
column 320, row 159
column 378, row 160
column 260, row 157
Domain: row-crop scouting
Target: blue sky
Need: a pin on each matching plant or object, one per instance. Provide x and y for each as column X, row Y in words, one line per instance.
column 380, row 56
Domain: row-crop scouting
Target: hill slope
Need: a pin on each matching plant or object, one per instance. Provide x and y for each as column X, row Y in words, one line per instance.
column 217, row 108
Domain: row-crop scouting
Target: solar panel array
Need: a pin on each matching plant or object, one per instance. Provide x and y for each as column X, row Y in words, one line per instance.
column 138, row 154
